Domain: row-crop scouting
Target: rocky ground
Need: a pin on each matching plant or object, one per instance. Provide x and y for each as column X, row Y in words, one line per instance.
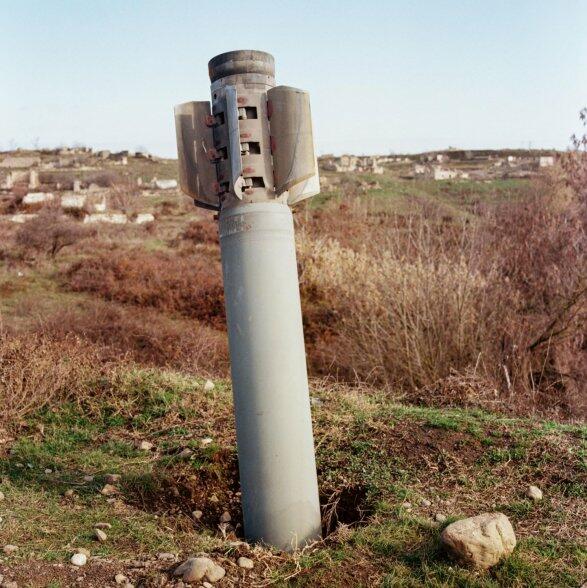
column 144, row 476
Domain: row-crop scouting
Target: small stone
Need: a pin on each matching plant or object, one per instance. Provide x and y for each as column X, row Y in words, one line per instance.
column 12, row 584
column 83, row 550
column 245, row 563
column 225, row 517
column 166, row 556
column 207, row 585
column 88, row 478
column 406, row 504
column 481, row 541
column 120, row 579
column 439, row 517
column 206, row 441
column 2, row 496
column 534, row 493
column 79, row 559
column 108, row 490
column 185, row 453
column 146, row 446
column 102, row 526
column 112, row 478
column 425, row 502
column 209, row 386
column 69, row 493
column 197, row 514
column 48, row 471
column 10, row 549
column 100, row 535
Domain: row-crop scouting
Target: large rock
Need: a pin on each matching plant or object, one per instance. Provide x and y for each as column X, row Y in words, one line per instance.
column 165, row 184
column 480, row 541
column 113, row 218
column 37, row 198
column 195, row 569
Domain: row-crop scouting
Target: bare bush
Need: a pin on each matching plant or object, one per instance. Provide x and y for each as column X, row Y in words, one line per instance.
column 191, row 285
column 124, row 196
column 50, row 232
column 35, row 371
column 201, row 232
column 401, row 323
column 142, row 335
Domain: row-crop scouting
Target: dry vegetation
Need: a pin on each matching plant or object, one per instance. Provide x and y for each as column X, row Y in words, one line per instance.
column 445, row 296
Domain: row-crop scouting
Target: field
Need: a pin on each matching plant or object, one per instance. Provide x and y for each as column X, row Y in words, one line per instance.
column 445, row 332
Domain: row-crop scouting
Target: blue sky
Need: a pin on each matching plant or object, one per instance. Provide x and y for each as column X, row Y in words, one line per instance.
column 383, row 75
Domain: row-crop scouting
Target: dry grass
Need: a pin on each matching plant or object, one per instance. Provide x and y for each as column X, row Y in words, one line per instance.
column 142, row 335
column 406, row 301
column 190, row 286
column 36, row 371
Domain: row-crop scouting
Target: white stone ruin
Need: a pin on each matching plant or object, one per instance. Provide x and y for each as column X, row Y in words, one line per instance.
column 37, row 198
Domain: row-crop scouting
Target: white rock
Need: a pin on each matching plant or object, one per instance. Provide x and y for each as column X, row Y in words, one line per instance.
column 100, row 535
column 145, row 217
column 22, row 218
column 480, row 541
column 425, row 502
column 208, row 585
column 195, row 569
column 37, row 198
column 73, row 202
column 103, row 217
column 145, row 446
column 108, row 490
column 209, row 385
column 245, row 563
column 10, row 549
column 88, row 478
column 120, row 579
column 79, row 559
column 165, row 184
column 534, row 493
column 215, row 572
column 439, row 517
column 206, row 441
column 197, row 514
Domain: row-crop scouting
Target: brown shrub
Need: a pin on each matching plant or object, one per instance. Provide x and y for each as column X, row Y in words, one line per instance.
column 418, row 299
column 396, row 322
column 124, row 196
column 142, row 335
column 50, row 232
column 191, row 286
column 35, row 371
column 201, row 231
